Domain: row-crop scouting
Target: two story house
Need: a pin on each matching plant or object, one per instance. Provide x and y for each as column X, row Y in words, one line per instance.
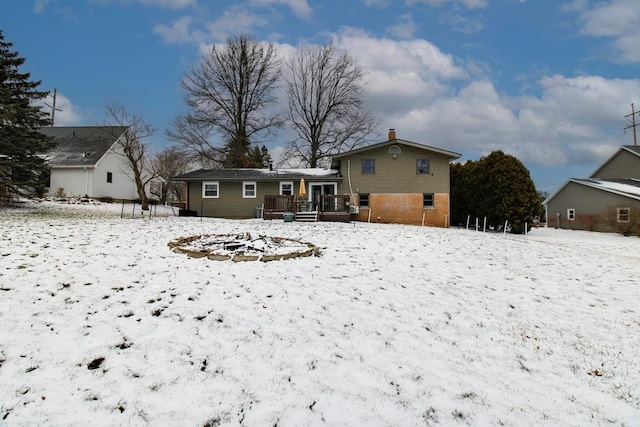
column 395, row 181
column 398, row 181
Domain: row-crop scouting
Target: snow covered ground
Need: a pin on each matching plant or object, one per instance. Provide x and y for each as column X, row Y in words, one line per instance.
column 101, row 324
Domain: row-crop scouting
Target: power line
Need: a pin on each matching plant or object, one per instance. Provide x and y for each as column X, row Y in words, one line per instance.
column 633, row 124
column 53, row 107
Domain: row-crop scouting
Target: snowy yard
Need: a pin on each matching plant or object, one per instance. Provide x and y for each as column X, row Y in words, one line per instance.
column 390, row 326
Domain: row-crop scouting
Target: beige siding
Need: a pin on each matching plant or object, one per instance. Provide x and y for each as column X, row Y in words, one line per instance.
column 625, row 165
column 230, row 203
column 588, row 203
column 396, row 175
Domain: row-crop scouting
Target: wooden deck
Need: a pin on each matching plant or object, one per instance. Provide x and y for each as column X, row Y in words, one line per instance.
column 327, row 208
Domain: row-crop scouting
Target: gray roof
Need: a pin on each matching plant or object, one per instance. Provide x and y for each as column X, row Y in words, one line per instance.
column 452, row 155
column 316, row 174
column 80, row 145
column 634, row 148
column 623, row 187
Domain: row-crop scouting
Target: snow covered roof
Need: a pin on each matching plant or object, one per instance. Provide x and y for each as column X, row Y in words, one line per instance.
column 261, row 174
column 623, row 187
column 80, row 145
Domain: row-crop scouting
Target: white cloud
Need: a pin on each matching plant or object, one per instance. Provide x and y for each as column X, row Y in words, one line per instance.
column 299, row 7
column 65, row 114
column 471, row 4
column 431, row 97
column 405, row 28
column 178, row 32
column 235, row 20
column 376, row 3
column 170, row 4
column 461, row 23
column 575, row 6
column 618, row 20
column 40, row 5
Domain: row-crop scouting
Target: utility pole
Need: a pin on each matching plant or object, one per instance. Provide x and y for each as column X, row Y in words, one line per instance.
column 53, row 107
column 633, row 123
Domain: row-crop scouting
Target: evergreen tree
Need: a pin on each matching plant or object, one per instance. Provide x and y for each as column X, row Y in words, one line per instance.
column 497, row 187
column 259, row 157
column 23, row 169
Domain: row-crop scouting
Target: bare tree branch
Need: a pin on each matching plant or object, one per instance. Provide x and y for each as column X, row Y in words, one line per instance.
column 326, row 111
column 131, row 130
column 228, row 93
column 168, row 164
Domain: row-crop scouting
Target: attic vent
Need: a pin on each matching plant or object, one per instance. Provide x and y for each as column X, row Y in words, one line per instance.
column 394, row 150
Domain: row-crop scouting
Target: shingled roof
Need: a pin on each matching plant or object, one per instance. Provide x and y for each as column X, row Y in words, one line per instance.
column 260, row 174
column 80, row 145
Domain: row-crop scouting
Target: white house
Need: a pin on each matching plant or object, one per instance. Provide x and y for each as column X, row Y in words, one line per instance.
column 85, row 161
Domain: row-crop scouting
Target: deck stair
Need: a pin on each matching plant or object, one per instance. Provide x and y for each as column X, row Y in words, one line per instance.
column 306, row 216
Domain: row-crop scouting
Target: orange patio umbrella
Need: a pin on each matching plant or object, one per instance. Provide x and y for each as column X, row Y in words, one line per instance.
column 303, row 190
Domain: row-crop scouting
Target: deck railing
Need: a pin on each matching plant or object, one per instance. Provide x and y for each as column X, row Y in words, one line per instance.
column 334, row 203
column 278, row 203
column 329, row 207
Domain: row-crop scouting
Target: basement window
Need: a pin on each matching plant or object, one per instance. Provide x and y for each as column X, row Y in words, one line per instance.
column 571, row 214
column 363, row 199
column 623, row 214
column 427, row 200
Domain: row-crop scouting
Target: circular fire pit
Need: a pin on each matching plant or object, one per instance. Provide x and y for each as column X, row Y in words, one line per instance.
column 242, row 247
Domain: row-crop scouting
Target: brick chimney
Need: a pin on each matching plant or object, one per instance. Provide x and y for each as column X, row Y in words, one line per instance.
column 392, row 134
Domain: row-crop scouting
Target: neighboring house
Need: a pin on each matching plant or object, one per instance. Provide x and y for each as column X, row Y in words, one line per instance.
column 398, row 181
column 609, row 200
column 395, row 181
column 85, row 161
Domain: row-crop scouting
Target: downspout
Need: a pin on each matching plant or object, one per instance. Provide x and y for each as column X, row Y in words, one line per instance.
column 86, row 181
column 353, row 199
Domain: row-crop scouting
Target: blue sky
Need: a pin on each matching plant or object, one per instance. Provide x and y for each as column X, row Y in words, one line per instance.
column 548, row 81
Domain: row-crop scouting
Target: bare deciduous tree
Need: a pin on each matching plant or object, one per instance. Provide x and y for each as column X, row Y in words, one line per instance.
column 325, row 90
column 169, row 163
column 132, row 148
column 228, row 94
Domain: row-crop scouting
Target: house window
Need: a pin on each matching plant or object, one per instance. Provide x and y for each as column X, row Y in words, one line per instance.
column 109, row 177
column 286, row 188
column 571, row 214
column 427, row 200
column 422, row 167
column 249, row 190
column 364, row 200
column 210, row 190
column 368, row 166
column 624, row 214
